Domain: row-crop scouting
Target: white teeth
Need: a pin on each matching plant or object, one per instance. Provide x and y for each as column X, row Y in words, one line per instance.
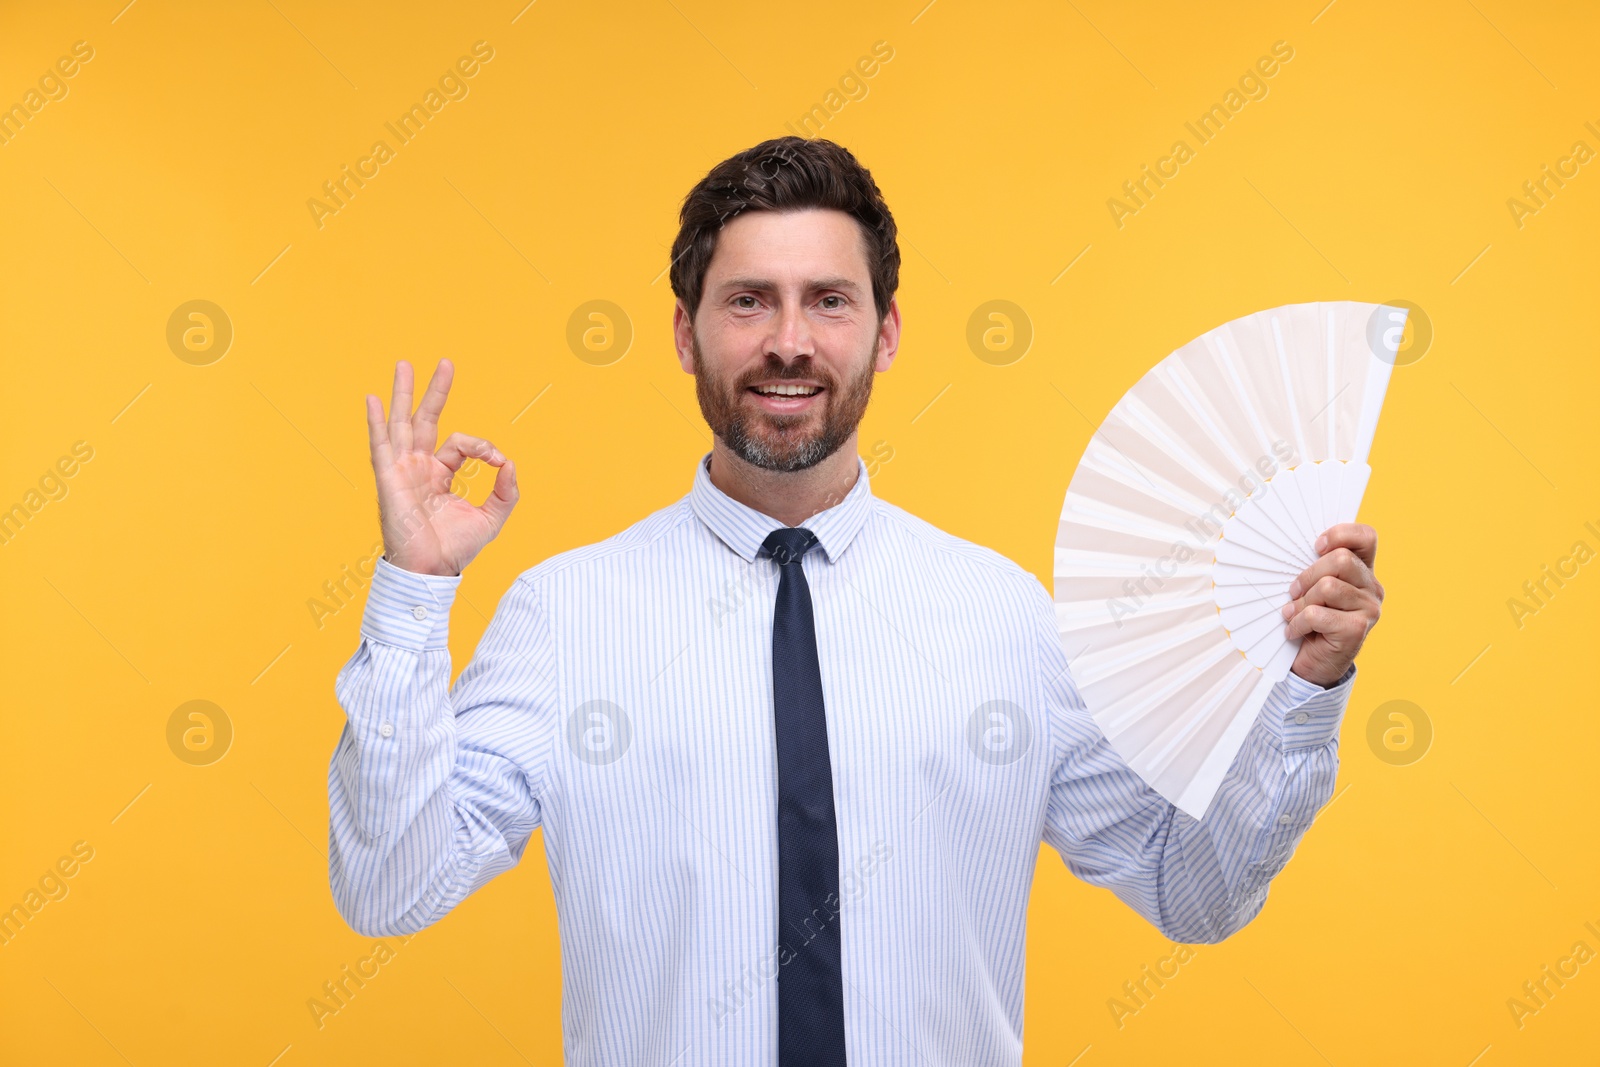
column 787, row 390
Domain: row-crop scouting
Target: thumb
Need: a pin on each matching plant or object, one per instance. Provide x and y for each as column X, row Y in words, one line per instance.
column 497, row 509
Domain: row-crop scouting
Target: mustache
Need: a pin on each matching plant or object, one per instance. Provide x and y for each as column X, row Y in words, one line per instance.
column 776, row 369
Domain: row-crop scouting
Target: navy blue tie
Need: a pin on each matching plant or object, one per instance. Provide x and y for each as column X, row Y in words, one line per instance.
column 810, row 981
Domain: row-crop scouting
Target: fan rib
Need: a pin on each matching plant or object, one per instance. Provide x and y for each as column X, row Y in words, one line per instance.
column 1330, row 357
column 1293, row 412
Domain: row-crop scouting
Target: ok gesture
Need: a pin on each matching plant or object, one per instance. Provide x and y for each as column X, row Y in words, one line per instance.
column 426, row 527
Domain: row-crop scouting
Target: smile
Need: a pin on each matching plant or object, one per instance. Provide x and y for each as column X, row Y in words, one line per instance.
column 787, row 390
column 786, row 398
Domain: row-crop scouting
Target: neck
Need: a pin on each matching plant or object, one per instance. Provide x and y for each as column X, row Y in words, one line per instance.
column 790, row 497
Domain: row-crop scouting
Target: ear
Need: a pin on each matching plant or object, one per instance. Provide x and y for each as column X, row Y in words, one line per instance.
column 682, row 335
column 888, row 337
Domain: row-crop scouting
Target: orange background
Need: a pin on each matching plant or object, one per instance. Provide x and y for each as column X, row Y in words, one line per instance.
column 178, row 562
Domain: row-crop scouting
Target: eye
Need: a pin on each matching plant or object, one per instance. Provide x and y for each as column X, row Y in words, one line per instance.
column 744, row 307
column 834, row 307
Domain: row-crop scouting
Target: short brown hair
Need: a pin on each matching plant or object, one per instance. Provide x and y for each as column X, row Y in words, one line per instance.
column 784, row 174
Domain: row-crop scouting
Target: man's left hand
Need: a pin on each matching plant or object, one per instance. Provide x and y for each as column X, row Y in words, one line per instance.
column 1335, row 602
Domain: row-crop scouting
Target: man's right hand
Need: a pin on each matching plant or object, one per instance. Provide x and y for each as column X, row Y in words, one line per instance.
column 427, row 528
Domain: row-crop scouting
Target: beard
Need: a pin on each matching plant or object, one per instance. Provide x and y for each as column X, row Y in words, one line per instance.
column 784, row 443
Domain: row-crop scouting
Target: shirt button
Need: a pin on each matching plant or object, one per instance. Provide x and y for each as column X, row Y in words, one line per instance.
column 419, row 613
column 1300, row 719
column 1285, row 820
column 387, row 730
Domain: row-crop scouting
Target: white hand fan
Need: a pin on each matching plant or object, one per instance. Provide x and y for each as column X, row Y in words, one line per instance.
column 1195, row 505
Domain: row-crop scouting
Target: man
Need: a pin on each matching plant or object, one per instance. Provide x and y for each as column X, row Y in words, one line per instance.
column 746, row 724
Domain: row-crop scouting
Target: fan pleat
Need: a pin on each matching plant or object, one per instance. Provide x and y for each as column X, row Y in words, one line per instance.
column 1151, row 719
column 1293, row 396
column 1107, row 649
column 1223, row 431
column 1095, row 539
column 1196, row 721
column 1330, row 357
column 1096, row 491
column 1104, row 459
column 1151, row 457
column 1254, row 372
column 1167, row 400
column 1234, row 716
column 1170, row 444
column 1143, row 674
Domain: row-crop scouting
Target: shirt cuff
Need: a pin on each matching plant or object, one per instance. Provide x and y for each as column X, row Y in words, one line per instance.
column 408, row 610
column 1303, row 715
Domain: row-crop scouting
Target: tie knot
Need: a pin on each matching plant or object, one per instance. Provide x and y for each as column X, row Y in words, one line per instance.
column 789, row 544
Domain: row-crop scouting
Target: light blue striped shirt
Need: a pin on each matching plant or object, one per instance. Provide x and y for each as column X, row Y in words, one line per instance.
column 621, row 700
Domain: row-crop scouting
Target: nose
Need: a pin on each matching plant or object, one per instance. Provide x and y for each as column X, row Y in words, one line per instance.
column 791, row 334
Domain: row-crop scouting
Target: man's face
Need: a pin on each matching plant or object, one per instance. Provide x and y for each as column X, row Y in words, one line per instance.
column 786, row 340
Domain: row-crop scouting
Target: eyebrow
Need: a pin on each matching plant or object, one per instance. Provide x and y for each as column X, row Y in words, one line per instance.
column 766, row 285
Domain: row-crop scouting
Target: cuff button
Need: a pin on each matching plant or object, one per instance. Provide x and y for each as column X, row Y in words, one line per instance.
column 1300, row 719
column 419, row 613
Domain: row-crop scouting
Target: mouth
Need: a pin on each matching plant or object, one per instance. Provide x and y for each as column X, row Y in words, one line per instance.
column 786, row 397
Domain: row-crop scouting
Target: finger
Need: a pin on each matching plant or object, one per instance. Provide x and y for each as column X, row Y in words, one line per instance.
column 1329, row 622
column 1334, row 593
column 425, row 424
column 1357, row 537
column 504, row 497
column 1341, row 563
column 458, row 446
column 400, row 409
column 378, row 435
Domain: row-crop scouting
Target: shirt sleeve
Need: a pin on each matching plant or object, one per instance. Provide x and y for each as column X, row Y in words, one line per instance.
column 432, row 791
column 1197, row 880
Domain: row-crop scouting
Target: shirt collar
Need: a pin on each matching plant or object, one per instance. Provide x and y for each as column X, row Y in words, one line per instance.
column 744, row 529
